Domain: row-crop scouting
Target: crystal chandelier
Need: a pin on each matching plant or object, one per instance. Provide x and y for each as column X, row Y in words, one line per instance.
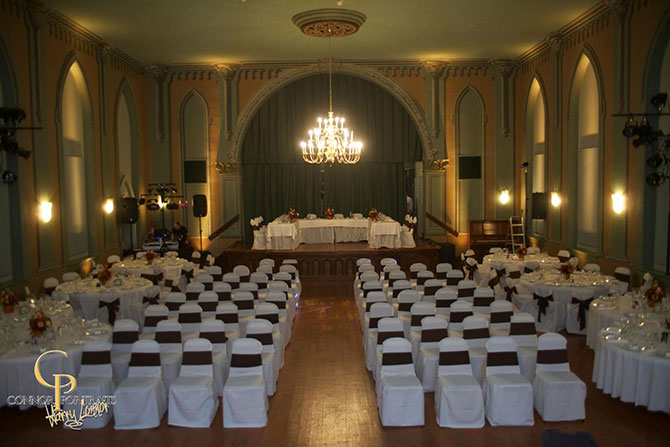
column 331, row 142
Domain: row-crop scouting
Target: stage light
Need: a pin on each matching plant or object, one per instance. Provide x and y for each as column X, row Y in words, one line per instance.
column 108, row 206
column 172, row 206
column 618, row 202
column 504, row 197
column 45, row 211
column 152, row 205
column 555, row 200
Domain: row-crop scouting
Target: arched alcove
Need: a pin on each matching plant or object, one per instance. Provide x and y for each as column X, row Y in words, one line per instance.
column 469, row 137
column 535, row 138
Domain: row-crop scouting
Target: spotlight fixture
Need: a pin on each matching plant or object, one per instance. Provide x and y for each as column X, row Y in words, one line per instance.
column 655, row 161
column 142, row 201
column 8, row 177
column 631, row 128
column 172, row 206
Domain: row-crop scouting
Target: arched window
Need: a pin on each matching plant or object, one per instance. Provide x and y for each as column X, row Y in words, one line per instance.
column 77, row 173
column 536, row 147
column 585, row 165
column 469, row 149
column 195, row 144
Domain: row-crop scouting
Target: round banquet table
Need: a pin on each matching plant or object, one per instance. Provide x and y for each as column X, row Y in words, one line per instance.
column 510, row 260
column 639, row 377
column 605, row 313
column 169, row 267
column 595, row 284
column 85, row 294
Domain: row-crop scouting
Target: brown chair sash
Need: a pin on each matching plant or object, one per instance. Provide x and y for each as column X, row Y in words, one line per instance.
column 246, row 360
column 366, row 292
column 508, row 358
column 191, row 317
column 244, row 278
column 281, row 304
column 413, row 275
column 96, row 357
column 433, row 335
column 168, row 337
column 467, row 292
column 374, row 322
column 288, row 282
column 153, row 278
column 431, row 290
column 453, row 281
column 501, row 273
column 49, row 290
column 145, row 359
column 265, row 339
column 581, row 312
column 217, row 277
column 501, row 317
column 522, row 328
column 542, row 304
column 224, row 296
column 552, row 356
column 192, row 296
column 151, row 300
column 197, row 358
column 396, row 292
column 509, row 291
column 472, row 334
column 187, row 273
column 393, row 280
column 451, row 358
column 421, row 281
column 244, row 304
column 445, row 302
column 208, row 306
column 382, row 336
column 272, row 318
column 622, row 277
column 405, row 307
column 458, row 317
column 527, row 269
column 209, row 285
column 416, row 319
column 494, row 281
column 125, row 337
column 262, row 285
column 442, row 275
column 470, row 271
column 214, row 337
column 396, row 358
column 483, row 301
column 515, row 274
column 173, row 306
column 153, row 320
column 228, row 318
column 112, row 309
column 233, row 284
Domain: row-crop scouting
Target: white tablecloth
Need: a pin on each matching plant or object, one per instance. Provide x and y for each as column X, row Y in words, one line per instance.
column 545, row 261
column 384, row 234
column 169, row 267
column 642, row 378
column 604, row 314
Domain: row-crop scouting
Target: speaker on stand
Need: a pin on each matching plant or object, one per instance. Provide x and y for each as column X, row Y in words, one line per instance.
column 129, row 214
column 200, row 211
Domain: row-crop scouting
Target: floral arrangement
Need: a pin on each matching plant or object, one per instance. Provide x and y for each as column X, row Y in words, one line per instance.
column 104, row 276
column 521, row 252
column 654, row 294
column 150, row 256
column 329, row 213
column 293, row 214
column 256, row 223
column 410, row 222
column 566, row 269
column 39, row 323
column 8, row 299
column 373, row 214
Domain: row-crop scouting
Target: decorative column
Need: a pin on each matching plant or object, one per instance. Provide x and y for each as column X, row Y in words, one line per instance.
column 106, row 154
column 160, row 102
column 503, row 142
column 555, row 149
column 224, row 75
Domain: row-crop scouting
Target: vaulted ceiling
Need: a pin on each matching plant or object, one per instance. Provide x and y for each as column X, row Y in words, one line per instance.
column 220, row 31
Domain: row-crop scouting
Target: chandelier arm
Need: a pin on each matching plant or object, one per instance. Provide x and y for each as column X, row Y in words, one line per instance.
column 330, row 73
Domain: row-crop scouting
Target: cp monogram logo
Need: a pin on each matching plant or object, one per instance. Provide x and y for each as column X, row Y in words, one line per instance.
column 71, row 383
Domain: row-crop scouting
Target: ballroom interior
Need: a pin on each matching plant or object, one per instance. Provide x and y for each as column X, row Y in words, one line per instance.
column 477, row 134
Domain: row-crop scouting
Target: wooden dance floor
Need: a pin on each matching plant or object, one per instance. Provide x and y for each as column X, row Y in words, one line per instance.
column 326, row 397
column 330, row 261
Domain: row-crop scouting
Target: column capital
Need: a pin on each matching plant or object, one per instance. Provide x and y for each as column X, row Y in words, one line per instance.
column 226, row 71
column 503, row 67
column 434, row 68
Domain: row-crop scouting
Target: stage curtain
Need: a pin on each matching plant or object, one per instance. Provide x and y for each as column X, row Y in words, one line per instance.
column 275, row 177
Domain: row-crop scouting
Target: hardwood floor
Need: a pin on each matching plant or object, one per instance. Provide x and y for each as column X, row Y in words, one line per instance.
column 326, row 397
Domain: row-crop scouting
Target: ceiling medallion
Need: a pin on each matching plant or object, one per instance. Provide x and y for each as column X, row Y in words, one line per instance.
column 329, row 22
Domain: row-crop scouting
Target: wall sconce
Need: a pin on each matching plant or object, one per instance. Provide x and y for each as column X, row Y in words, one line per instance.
column 555, row 200
column 108, row 206
column 504, row 197
column 45, row 211
column 618, row 202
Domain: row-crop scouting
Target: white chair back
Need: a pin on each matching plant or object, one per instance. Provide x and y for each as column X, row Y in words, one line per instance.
column 389, row 328
column 501, row 356
column 246, row 358
column 433, row 330
column 454, row 357
column 552, row 353
column 378, row 311
column 194, row 289
column 190, row 316
column 208, row 300
column 593, row 268
column 227, row 312
column 145, row 359
column 96, row 359
column 453, row 277
column 406, row 298
column 168, row 335
column 501, row 314
column 261, row 330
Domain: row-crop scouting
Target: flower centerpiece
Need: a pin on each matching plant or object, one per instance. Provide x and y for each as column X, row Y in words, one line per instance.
column 654, row 294
column 39, row 323
column 256, row 223
column 521, row 252
column 293, row 214
column 329, row 213
column 373, row 214
column 150, row 256
column 104, row 276
column 566, row 269
column 9, row 300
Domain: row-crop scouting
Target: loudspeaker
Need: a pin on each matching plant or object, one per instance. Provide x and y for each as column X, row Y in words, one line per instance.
column 128, row 210
column 539, row 205
column 199, row 205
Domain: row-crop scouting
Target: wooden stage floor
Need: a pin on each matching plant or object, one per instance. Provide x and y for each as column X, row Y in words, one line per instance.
column 330, row 261
column 326, row 397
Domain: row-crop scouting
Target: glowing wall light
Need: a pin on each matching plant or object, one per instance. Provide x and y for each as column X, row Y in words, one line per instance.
column 108, row 206
column 618, row 202
column 555, row 200
column 504, row 197
column 45, row 211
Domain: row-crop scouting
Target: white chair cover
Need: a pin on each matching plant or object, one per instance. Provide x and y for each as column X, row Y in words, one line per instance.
column 418, row 312
column 245, row 402
column 260, row 242
column 400, row 395
column 500, row 317
column 169, row 337
column 458, row 311
column 215, row 332
column 378, row 310
column 578, row 310
column 261, row 330
column 433, row 330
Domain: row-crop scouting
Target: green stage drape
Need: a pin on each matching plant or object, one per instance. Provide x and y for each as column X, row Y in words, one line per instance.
column 275, row 177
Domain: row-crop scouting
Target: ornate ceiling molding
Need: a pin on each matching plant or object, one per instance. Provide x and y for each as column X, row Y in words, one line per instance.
column 288, row 76
column 329, row 22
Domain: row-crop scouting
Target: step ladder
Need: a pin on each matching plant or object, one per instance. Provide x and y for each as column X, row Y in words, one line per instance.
column 516, row 236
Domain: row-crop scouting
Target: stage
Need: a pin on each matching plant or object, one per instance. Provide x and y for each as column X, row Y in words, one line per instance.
column 330, row 261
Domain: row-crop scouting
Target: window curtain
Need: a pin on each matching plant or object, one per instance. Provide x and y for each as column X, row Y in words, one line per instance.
column 275, row 177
